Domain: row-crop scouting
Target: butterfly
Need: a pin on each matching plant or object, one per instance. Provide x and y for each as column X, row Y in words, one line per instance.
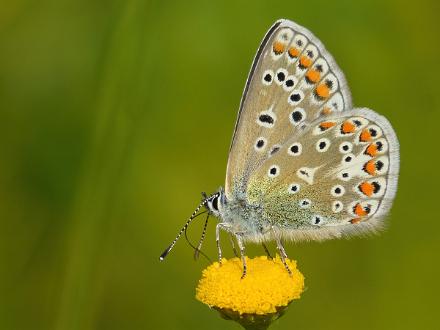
column 303, row 163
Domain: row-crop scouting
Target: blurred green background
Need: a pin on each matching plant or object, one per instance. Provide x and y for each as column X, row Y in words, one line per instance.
column 115, row 115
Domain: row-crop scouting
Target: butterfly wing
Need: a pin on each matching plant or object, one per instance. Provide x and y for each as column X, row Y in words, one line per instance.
column 337, row 176
column 293, row 80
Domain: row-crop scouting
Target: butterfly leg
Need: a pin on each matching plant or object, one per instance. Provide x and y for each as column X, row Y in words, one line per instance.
column 266, row 250
column 219, row 226
column 283, row 253
column 242, row 253
column 233, row 245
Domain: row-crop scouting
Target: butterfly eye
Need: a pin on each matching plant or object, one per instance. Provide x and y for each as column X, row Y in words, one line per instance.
column 345, row 147
column 297, row 116
column 294, row 188
column 295, row 149
column 337, row 190
column 274, row 171
column 215, row 203
column 322, row 145
column 337, row 206
column 267, row 77
column 305, row 203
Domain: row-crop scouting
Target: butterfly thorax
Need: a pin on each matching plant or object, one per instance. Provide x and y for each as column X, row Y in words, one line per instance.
column 239, row 216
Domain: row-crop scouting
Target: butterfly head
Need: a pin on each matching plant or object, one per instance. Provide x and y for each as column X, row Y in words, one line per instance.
column 215, row 202
column 211, row 203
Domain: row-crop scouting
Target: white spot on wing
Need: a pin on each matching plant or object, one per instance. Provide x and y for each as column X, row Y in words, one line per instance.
column 260, row 144
column 345, row 147
column 270, row 113
column 317, row 219
column 295, row 149
column 280, row 76
column 334, row 104
column 273, row 171
column 337, row 206
column 265, row 78
column 305, row 203
column 294, row 188
column 295, row 97
column 298, row 42
column 321, row 66
column 322, row 145
column 307, row 174
column 297, row 116
column 337, row 190
column 290, row 83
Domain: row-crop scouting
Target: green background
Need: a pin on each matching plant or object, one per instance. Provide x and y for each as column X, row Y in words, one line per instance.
column 114, row 116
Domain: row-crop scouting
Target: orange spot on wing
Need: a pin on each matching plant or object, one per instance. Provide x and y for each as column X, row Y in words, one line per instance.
column 366, row 188
column 278, row 47
column 313, row 76
column 370, row 167
column 305, row 61
column 326, row 111
column 347, row 127
column 323, row 91
column 356, row 220
column 359, row 210
column 365, row 136
column 371, row 150
column 326, row 125
column 293, row 52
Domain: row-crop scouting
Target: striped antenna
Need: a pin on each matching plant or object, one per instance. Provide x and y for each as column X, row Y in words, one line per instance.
column 199, row 246
column 169, row 248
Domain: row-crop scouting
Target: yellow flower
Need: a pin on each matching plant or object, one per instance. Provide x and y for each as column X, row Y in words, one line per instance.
column 266, row 290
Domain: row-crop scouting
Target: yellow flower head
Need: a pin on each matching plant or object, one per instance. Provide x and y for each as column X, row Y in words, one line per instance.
column 266, row 288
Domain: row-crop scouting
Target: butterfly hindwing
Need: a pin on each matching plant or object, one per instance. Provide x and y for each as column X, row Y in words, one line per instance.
column 338, row 176
column 293, row 80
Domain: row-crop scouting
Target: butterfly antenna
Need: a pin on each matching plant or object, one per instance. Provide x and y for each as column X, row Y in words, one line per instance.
column 199, row 246
column 197, row 249
column 193, row 215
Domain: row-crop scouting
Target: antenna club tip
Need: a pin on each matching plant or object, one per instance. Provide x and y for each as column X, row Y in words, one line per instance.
column 165, row 253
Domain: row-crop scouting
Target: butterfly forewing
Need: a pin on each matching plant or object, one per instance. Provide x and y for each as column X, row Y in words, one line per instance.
column 337, row 176
column 293, row 81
